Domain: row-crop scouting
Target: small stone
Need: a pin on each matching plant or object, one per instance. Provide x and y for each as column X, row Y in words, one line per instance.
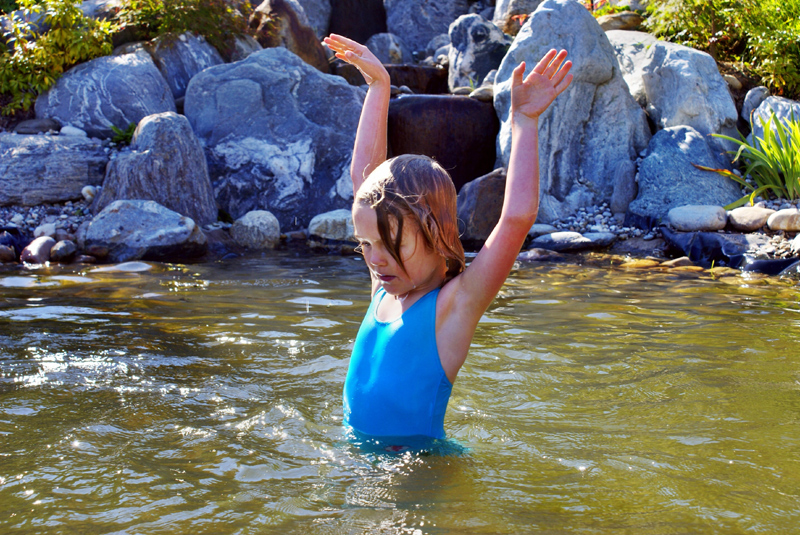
column 89, row 193
column 694, row 218
column 641, row 264
column 720, row 271
column 48, row 229
column 749, row 218
column 687, row 269
column 732, row 81
column 258, row 229
column 18, row 219
column 37, row 126
column 484, row 94
column 62, row 251
column 70, row 130
column 786, row 219
column 678, row 262
column 562, row 241
column 85, row 259
column 540, row 255
column 601, row 239
column 335, row 225
column 38, row 252
column 540, row 229
column 465, row 91
column 7, row 254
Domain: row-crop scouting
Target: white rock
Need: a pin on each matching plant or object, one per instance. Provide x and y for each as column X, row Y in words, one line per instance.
column 70, row 130
column 787, row 219
column 258, row 229
column 48, row 229
column 334, row 225
column 89, row 193
column 699, row 217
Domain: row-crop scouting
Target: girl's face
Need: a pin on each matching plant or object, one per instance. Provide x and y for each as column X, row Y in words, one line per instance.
column 425, row 270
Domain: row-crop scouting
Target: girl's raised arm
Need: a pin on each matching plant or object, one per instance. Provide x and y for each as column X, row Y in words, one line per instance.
column 370, row 146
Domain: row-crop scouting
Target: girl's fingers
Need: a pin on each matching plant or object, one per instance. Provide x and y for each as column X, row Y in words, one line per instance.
column 561, row 73
column 517, row 74
column 544, row 62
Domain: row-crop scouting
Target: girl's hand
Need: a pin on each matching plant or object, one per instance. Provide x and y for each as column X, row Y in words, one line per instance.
column 360, row 56
column 532, row 95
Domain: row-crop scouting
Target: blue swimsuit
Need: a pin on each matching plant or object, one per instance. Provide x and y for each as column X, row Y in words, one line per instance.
column 396, row 386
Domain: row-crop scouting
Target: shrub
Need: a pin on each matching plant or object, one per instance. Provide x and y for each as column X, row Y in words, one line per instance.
column 762, row 35
column 772, row 163
column 7, row 6
column 219, row 21
column 31, row 64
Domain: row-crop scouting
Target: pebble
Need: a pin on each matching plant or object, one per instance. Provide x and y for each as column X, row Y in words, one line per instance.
column 694, row 218
column 641, row 264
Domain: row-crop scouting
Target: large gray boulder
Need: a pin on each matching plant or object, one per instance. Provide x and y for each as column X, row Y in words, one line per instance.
column 667, row 179
column 476, row 47
column 48, row 169
column 684, row 87
column 592, row 130
column 133, row 230
column 389, row 48
column 166, row 164
column 631, row 50
column 181, row 57
column 105, row 92
column 507, row 13
column 419, row 21
column 278, row 135
column 783, row 108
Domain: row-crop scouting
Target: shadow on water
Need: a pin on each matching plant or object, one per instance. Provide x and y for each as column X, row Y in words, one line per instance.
column 153, row 398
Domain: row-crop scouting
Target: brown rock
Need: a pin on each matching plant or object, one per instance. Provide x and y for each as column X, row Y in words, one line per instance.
column 678, row 262
column 38, row 252
column 7, row 254
column 640, row 264
column 276, row 24
column 625, row 20
column 749, row 218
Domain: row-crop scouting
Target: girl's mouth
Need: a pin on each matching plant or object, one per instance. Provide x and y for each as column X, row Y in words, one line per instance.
column 386, row 278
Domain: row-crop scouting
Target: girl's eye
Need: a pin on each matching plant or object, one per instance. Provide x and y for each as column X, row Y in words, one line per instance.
column 361, row 246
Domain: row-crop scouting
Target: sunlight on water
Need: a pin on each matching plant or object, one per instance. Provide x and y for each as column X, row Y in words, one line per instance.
column 157, row 398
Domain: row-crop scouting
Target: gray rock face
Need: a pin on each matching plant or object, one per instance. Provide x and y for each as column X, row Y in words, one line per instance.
column 389, row 48
column 243, row 46
column 684, row 87
column 667, row 178
column 480, row 203
column 166, row 164
column 631, row 51
column 783, row 109
column 278, row 135
column 477, row 47
column 590, row 128
column 419, row 21
column 105, row 92
column 318, row 13
column 258, row 229
column 180, row 57
column 47, row 169
column 133, row 230
column 505, row 10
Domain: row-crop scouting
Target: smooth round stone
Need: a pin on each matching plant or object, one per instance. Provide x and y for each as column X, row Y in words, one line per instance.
column 795, row 245
column 698, row 218
column 678, row 262
column 687, row 269
column 7, row 254
column 70, row 130
column 484, row 94
column 540, row 255
column 749, row 218
column 334, row 225
column 465, row 91
column 540, row 229
column 787, row 219
column 601, row 239
column 48, row 229
column 641, row 264
column 258, row 229
column 38, row 252
column 562, row 241
column 62, row 251
column 37, row 126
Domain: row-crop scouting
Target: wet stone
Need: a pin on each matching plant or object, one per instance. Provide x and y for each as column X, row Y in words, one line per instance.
column 641, row 264
column 540, row 255
column 63, row 251
column 562, row 242
column 678, row 262
column 7, row 254
column 38, row 252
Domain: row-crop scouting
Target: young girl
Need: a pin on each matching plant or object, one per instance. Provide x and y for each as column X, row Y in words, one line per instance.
column 425, row 304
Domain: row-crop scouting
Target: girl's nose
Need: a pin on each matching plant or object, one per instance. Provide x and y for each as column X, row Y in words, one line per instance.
column 377, row 257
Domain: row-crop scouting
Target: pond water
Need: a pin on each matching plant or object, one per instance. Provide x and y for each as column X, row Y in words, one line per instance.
column 207, row 399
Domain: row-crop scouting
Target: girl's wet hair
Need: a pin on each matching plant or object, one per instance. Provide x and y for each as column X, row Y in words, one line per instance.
column 416, row 188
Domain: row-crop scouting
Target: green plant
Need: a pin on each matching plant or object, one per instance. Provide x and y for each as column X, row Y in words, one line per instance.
column 772, row 162
column 598, row 8
column 219, row 21
column 123, row 137
column 34, row 62
column 7, row 6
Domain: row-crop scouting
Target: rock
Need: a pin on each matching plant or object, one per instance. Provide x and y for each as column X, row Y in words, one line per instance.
column 100, row 9
column 85, row 259
column 167, row 165
column 336, row 225
column 540, row 255
column 625, row 187
column 428, row 80
column 483, row 94
column 440, row 41
column 783, row 109
column 753, row 100
column 667, row 178
column 631, row 51
column 89, row 193
column 38, row 252
column 272, row 142
column 692, row 218
column 37, row 126
column 732, row 82
column 787, row 219
column 795, row 245
column 358, row 19
column 749, row 218
column 14, row 239
column 318, row 13
column 600, row 240
column 624, row 20
column 258, row 229
column 7, row 254
column 113, row 91
column 181, row 57
column 480, row 203
column 683, row 261
column 562, row 242
column 389, row 48
column 640, row 263
column 70, row 130
column 63, row 251
column 684, row 87
column 133, row 230
column 462, row 91
column 540, row 229
column 705, row 248
column 577, row 161
column 48, row 169
column 477, row 47
column 47, row 229
column 276, row 24
column 637, row 246
column 509, row 15
column 243, row 46
column 419, row 21
column 458, row 132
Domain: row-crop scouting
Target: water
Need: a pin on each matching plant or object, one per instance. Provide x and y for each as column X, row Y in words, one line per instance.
column 207, row 399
